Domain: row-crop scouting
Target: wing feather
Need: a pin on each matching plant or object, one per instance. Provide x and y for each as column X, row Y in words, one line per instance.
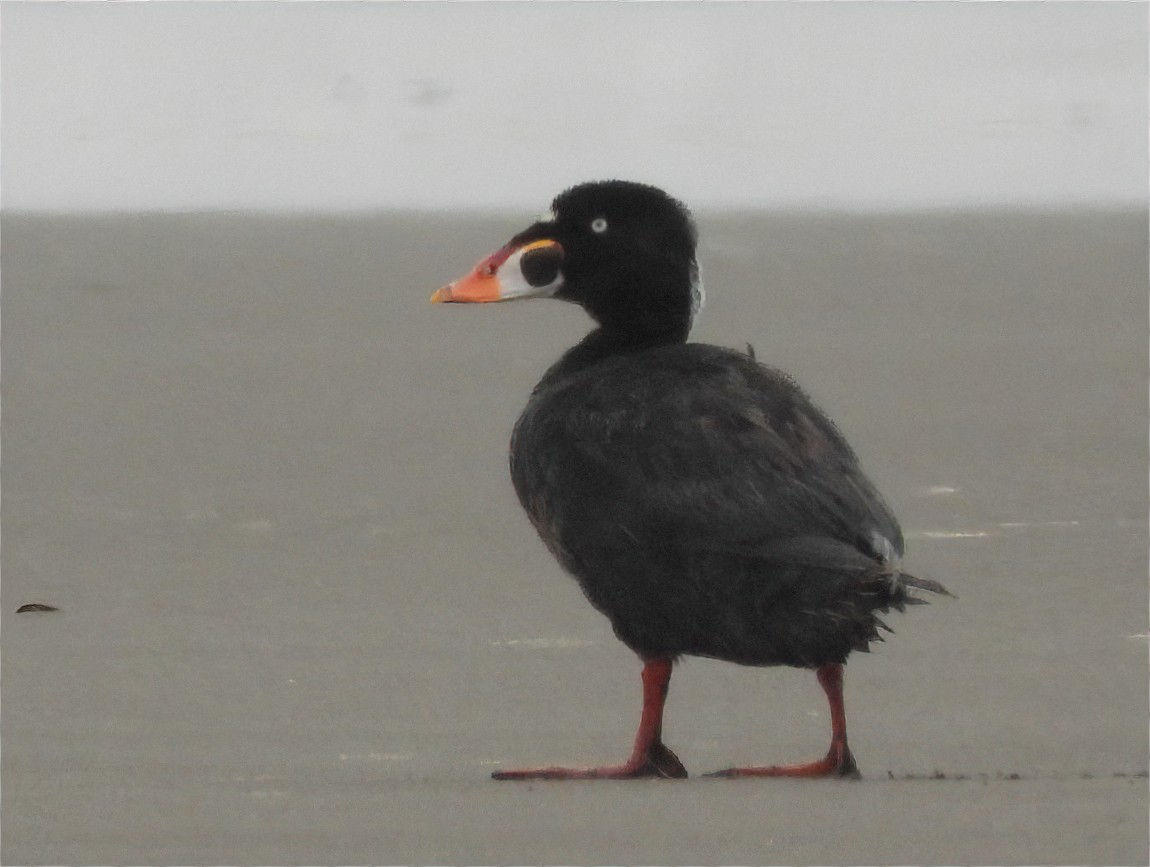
column 733, row 463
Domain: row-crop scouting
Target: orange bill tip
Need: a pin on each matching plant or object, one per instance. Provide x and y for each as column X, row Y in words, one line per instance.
column 475, row 288
column 478, row 286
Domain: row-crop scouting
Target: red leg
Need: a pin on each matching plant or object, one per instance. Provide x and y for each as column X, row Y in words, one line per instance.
column 649, row 758
column 838, row 761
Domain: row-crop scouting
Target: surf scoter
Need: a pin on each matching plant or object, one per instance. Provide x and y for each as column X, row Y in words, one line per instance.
column 700, row 499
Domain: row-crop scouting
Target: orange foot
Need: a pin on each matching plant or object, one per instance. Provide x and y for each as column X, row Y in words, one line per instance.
column 656, row 761
column 838, row 762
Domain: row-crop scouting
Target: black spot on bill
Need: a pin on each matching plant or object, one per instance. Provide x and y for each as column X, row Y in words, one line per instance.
column 541, row 265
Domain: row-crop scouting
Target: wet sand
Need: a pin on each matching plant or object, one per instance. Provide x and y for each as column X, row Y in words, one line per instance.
column 302, row 618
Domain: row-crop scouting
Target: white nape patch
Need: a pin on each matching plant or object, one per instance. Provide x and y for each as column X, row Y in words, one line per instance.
column 514, row 285
column 698, row 293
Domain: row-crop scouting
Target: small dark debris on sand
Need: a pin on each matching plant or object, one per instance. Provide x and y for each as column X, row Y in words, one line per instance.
column 34, row 607
column 1003, row 775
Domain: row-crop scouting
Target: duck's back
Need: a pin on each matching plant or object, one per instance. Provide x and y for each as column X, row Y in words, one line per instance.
column 703, row 503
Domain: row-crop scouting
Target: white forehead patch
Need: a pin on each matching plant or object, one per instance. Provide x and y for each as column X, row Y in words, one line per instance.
column 548, row 216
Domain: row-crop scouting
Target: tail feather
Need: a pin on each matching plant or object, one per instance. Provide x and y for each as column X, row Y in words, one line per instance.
column 899, row 590
column 843, row 590
column 923, row 584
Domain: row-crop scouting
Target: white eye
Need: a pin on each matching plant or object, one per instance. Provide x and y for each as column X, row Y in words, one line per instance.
column 599, row 225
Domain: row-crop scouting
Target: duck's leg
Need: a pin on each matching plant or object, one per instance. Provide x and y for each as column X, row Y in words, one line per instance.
column 649, row 758
column 838, row 761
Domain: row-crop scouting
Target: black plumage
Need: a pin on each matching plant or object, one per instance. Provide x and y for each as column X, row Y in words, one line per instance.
column 706, row 507
column 704, row 504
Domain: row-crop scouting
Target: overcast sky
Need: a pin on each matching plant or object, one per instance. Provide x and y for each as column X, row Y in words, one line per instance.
column 374, row 105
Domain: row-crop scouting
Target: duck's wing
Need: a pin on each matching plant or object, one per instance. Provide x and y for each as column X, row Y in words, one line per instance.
column 703, row 449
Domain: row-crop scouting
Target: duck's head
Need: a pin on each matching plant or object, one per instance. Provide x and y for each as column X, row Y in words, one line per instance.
column 623, row 251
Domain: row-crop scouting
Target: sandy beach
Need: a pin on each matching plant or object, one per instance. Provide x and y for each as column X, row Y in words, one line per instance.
column 302, row 618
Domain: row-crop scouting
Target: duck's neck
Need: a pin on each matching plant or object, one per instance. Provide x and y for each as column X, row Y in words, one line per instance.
column 604, row 343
